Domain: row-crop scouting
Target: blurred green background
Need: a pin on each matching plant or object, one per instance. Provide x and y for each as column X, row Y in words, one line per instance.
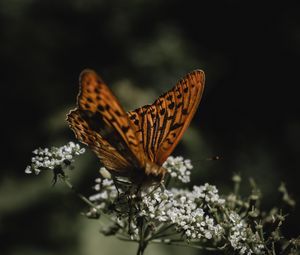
column 249, row 113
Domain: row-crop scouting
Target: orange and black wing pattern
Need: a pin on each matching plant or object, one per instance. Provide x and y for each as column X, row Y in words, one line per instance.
column 100, row 122
column 160, row 126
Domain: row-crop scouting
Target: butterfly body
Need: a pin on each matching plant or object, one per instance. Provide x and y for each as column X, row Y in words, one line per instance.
column 134, row 144
column 148, row 174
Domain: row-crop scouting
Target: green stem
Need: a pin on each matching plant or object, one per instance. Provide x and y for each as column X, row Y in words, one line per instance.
column 141, row 248
column 162, row 236
column 82, row 197
column 170, row 242
column 142, row 242
column 160, row 231
column 125, row 239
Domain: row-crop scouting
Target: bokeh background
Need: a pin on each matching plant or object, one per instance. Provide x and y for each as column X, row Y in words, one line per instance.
column 248, row 115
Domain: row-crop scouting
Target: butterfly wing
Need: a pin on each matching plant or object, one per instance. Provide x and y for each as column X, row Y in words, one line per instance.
column 105, row 122
column 108, row 155
column 160, row 126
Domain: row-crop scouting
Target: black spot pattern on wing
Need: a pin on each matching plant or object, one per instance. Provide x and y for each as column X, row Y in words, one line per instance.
column 103, row 114
column 160, row 126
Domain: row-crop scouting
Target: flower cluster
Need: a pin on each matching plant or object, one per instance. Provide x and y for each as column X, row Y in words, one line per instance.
column 200, row 217
column 106, row 192
column 179, row 168
column 240, row 236
column 183, row 209
column 208, row 193
column 55, row 157
column 187, row 211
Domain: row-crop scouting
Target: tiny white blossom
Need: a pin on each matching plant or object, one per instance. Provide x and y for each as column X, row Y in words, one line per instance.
column 28, row 170
column 207, row 235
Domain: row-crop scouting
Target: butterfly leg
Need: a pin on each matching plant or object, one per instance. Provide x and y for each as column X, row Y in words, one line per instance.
column 153, row 190
column 162, row 186
column 116, row 185
column 134, row 199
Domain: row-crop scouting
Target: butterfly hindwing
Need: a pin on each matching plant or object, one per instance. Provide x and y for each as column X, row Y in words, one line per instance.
column 160, row 126
column 103, row 115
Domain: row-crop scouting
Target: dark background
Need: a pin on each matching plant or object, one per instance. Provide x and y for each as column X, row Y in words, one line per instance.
column 248, row 115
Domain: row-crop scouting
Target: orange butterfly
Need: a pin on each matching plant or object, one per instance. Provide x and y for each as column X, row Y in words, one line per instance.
column 134, row 144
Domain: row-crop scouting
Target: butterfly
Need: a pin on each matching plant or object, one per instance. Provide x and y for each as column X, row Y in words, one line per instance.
column 134, row 144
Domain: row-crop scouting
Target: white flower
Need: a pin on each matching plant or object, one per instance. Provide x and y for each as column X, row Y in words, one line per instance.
column 188, row 211
column 106, row 191
column 28, row 170
column 182, row 209
column 54, row 157
column 239, row 235
column 207, row 235
column 179, row 168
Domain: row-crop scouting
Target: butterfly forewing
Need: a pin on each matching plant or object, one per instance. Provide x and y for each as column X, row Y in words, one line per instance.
column 160, row 126
column 103, row 115
column 109, row 156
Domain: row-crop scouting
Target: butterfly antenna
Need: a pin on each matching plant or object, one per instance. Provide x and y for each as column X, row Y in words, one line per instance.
column 214, row 158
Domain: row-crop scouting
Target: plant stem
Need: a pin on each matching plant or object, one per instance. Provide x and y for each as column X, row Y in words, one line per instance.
column 141, row 249
column 82, row 197
column 142, row 242
column 176, row 243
